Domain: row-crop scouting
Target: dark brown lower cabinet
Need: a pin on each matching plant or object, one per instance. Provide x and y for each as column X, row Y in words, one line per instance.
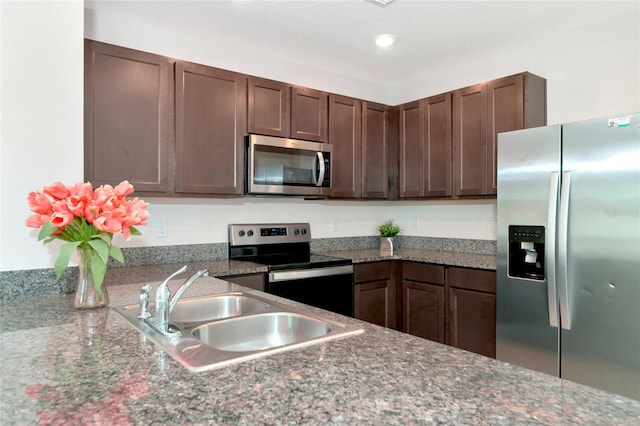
column 471, row 313
column 423, row 310
column 423, row 300
column 446, row 304
column 375, row 293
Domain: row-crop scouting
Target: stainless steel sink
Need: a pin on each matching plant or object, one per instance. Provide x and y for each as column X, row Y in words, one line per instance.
column 214, row 331
column 211, row 308
column 260, row 332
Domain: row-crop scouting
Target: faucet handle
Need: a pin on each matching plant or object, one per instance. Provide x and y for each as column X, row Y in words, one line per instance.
column 144, row 302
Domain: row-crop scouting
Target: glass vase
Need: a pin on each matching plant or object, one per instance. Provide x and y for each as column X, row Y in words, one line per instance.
column 88, row 295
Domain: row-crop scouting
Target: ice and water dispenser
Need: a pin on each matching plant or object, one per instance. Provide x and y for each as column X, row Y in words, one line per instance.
column 526, row 252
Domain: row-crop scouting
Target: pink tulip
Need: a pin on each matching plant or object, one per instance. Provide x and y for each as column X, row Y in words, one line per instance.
column 61, row 219
column 106, row 223
column 39, row 203
column 57, row 190
column 123, row 189
column 37, row 220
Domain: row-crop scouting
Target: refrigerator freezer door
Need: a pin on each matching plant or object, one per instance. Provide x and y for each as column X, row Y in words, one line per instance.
column 528, row 165
column 601, row 348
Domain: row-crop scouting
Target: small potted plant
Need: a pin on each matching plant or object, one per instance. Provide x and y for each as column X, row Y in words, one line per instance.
column 387, row 231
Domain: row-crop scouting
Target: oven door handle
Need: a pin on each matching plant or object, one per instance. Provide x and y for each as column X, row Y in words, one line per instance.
column 301, row 274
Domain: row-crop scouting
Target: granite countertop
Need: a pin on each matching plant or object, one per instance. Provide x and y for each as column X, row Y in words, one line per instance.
column 65, row 366
column 449, row 258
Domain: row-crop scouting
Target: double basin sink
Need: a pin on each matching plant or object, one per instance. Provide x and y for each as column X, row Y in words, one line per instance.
column 213, row 331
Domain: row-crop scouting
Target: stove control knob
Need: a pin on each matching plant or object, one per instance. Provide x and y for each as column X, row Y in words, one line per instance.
column 296, row 231
column 304, row 231
column 241, row 233
column 250, row 233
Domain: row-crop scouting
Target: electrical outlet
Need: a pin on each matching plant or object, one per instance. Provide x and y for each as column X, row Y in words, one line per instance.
column 162, row 231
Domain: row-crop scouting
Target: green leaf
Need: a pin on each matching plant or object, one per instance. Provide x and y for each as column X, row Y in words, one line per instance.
column 63, row 258
column 116, row 253
column 134, row 231
column 101, row 247
column 98, row 270
column 46, row 230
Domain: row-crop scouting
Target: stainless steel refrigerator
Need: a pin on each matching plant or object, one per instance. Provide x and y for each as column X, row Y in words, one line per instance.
column 568, row 223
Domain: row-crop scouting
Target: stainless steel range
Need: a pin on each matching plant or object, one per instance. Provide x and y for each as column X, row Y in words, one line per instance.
column 293, row 271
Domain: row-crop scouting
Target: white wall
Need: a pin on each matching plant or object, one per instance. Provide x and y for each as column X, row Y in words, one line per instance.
column 594, row 72
column 40, row 115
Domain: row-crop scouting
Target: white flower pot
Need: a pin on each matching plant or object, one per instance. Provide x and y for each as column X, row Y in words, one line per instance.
column 386, row 246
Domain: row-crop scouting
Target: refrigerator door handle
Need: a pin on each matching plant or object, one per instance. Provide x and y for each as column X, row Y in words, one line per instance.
column 550, row 245
column 563, row 228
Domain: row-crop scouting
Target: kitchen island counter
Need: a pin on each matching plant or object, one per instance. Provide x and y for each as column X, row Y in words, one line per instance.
column 64, row 365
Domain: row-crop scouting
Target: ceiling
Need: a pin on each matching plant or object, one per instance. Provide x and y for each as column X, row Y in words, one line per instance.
column 338, row 35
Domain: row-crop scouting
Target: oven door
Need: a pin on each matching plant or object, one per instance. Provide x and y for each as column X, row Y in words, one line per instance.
column 282, row 166
column 329, row 288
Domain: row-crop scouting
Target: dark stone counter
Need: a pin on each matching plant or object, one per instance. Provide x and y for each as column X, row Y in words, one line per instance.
column 64, row 366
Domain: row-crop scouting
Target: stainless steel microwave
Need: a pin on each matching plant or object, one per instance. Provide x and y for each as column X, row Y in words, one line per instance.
column 281, row 166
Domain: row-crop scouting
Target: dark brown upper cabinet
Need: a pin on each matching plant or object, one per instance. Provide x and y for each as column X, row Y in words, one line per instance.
column 210, row 123
column 279, row 109
column 483, row 111
column 375, row 150
column 128, row 117
column 269, row 108
column 470, row 140
column 309, row 114
column 410, row 154
column 425, row 148
column 515, row 102
column 345, row 135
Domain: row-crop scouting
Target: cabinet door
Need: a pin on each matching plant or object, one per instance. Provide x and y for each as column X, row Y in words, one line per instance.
column 437, row 146
column 128, row 118
column 423, row 306
column 345, row 127
column 309, row 114
column 375, row 293
column 269, row 109
column 470, row 140
column 373, row 303
column 505, row 113
column 411, row 155
column 209, row 130
column 375, row 146
column 472, row 321
column 515, row 102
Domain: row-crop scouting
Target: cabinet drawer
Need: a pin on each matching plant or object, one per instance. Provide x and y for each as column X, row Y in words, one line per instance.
column 374, row 271
column 423, row 272
column 472, row 279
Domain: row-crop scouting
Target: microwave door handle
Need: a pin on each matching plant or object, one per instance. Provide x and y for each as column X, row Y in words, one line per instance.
column 319, row 159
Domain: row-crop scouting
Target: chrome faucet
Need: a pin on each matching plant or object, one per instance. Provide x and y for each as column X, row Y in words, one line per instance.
column 184, row 286
column 164, row 302
column 161, row 311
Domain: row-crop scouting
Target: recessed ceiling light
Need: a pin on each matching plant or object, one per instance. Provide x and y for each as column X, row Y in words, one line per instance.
column 385, row 40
